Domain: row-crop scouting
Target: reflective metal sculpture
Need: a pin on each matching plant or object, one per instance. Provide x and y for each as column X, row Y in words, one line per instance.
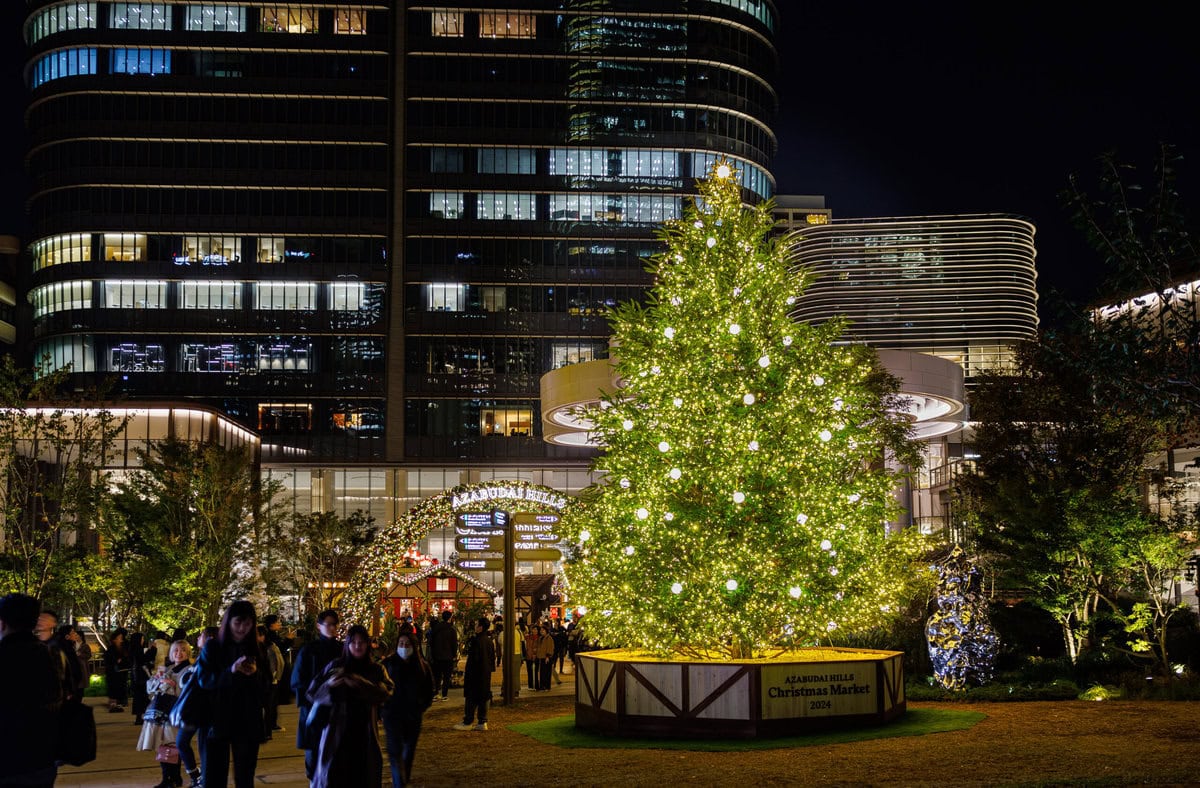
column 962, row 642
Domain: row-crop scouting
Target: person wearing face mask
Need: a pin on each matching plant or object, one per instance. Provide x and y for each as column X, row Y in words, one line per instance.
column 236, row 675
column 353, row 687
column 413, row 694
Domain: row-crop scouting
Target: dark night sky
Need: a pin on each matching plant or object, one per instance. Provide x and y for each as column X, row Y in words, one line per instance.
column 900, row 109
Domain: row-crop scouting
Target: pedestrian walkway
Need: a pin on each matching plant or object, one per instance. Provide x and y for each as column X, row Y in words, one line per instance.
column 118, row 764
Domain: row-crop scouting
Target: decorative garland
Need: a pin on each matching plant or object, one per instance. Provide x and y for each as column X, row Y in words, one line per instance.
column 382, row 558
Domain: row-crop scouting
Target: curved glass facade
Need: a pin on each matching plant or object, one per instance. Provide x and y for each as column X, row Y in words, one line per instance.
column 544, row 145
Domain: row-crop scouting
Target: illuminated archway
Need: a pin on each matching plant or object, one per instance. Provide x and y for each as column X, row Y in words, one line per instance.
column 362, row 595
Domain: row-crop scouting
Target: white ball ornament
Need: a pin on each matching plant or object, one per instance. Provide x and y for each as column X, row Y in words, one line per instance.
column 627, row 425
column 677, row 402
column 818, row 380
column 676, row 300
column 737, row 291
column 656, row 370
column 826, row 544
column 752, row 446
column 838, row 404
column 791, row 300
column 642, row 513
column 675, row 473
column 802, row 518
column 629, row 550
column 832, row 625
column 787, row 341
column 794, row 592
column 731, row 585
column 676, row 588
column 669, row 332
column 584, row 535
column 664, row 447
column 605, row 405
column 854, row 497
column 625, row 484
column 699, row 225
column 825, row 435
column 669, row 516
column 735, row 329
column 764, row 362
column 833, row 570
column 711, row 242
column 739, row 497
column 748, row 399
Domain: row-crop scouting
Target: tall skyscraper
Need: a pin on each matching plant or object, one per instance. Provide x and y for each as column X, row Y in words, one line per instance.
column 366, row 229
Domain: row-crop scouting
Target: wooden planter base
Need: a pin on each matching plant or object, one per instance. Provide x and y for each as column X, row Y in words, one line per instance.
column 625, row 693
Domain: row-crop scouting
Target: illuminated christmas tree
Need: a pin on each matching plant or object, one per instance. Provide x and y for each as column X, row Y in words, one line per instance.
column 746, row 487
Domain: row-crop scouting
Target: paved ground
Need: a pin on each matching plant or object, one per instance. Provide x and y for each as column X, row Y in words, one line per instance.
column 118, row 764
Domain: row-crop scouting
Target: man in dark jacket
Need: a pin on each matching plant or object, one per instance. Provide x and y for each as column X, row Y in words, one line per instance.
column 30, row 693
column 443, row 653
column 477, row 678
column 311, row 660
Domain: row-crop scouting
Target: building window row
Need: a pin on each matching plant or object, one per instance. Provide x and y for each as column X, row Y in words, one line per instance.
column 208, row 17
column 454, row 418
column 584, row 207
column 476, row 299
column 202, row 250
column 492, row 24
column 228, row 295
column 63, row 63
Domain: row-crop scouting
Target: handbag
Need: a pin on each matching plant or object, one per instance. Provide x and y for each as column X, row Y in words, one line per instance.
column 167, row 753
column 160, row 707
column 76, row 734
column 192, row 708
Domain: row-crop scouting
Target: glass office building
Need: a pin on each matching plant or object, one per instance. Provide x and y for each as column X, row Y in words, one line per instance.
column 365, row 230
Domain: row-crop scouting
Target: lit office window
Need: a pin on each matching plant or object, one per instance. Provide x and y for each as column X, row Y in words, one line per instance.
column 445, row 160
column 285, row 295
column 139, row 61
column 60, row 17
column 565, row 353
column 60, row 296
column 614, row 164
column 217, row 17
column 507, row 24
column 349, row 21
column 512, row 422
column 64, row 63
column 136, row 357
column 206, row 357
column 347, row 296
column 289, row 354
column 124, row 247
column 629, row 208
column 447, row 24
column 137, row 294
column 509, row 161
column 284, row 417
column 445, row 205
column 212, row 250
column 493, row 298
column 506, row 205
column 288, row 19
column 445, row 297
column 70, row 248
column 76, row 352
column 210, row 295
column 140, row 16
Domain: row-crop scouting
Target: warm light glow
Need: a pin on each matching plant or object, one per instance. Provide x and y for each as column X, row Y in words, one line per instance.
column 723, row 171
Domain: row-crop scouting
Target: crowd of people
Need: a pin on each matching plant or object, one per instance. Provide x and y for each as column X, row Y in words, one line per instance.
column 243, row 672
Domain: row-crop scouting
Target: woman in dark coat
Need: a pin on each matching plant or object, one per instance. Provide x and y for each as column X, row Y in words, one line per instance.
column 116, row 671
column 413, row 694
column 477, row 678
column 233, row 670
column 141, row 668
column 353, row 687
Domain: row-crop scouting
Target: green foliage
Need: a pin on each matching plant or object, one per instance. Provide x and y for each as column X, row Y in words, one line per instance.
column 1100, row 692
column 309, row 555
column 54, row 448
column 997, row 691
column 745, row 485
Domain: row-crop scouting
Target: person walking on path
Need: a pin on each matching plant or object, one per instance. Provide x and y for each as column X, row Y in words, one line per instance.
column 443, row 652
column 271, row 700
column 413, row 692
column 183, row 741
column 116, row 670
column 477, row 679
column 165, row 683
column 30, row 693
column 353, row 686
column 235, row 673
column 310, row 661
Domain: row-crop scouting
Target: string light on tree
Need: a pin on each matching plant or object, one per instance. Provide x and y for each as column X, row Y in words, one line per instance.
column 764, row 483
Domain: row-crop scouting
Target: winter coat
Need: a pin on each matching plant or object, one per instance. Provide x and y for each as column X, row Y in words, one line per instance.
column 155, row 730
column 412, row 693
column 236, row 699
column 477, row 676
column 30, row 692
column 545, row 648
column 116, row 670
column 443, row 641
column 310, row 662
column 349, row 753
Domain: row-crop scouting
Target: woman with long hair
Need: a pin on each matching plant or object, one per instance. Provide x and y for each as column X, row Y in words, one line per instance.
column 140, row 670
column 352, row 686
column 116, row 670
column 233, row 670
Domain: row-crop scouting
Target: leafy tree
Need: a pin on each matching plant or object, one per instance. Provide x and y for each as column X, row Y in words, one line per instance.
column 187, row 522
column 315, row 552
column 54, row 450
column 746, row 487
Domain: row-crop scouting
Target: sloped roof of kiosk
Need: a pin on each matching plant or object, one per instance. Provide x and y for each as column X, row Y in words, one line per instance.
column 443, row 570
